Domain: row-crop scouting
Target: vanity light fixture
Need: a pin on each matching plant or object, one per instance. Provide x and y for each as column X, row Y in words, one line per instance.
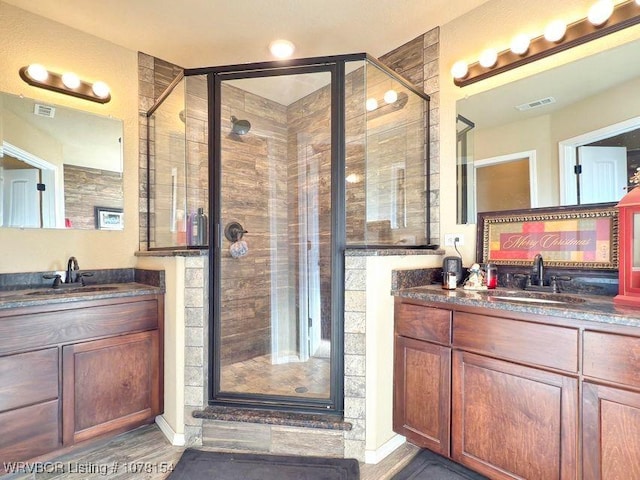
column 460, row 69
column 520, row 44
column 371, row 104
column 604, row 18
column 390, row 96
column 69, row 83
column 488, row 58
column 390, row 102
column 600, row 12
column 555, row 31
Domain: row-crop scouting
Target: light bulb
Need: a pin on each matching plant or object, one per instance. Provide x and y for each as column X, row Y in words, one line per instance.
column 555, row 31
column 520, row 44
column 281, row 48
column 460, row 69
column 390, row 96
column 600, row 12
column 488, row 58
column 70, row 80
column 37, row 72
column 371, row 104
column 100, row 89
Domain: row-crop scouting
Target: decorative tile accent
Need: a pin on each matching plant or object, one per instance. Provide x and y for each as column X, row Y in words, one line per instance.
column 298, row 441
column 236, row 436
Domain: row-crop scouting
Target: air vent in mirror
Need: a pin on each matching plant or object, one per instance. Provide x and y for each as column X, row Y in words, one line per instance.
column 535, row 104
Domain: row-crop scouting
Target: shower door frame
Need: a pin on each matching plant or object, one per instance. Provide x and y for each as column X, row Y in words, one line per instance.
column 215, row 76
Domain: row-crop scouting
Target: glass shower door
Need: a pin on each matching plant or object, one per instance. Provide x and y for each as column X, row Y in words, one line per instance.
column 273, row 320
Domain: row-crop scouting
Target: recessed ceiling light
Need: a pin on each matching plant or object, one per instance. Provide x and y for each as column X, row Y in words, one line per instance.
column 281, row 48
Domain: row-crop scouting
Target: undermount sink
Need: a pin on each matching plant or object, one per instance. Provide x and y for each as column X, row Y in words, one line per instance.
column 530, row 297
column 74, row 289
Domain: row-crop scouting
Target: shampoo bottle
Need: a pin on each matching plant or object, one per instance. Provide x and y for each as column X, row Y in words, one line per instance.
column 200, row 228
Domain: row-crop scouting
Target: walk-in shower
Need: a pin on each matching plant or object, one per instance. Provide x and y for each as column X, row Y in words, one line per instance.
column 298, row 160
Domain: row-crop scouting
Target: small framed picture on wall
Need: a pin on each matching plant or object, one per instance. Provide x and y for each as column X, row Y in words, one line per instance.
column 109, row 218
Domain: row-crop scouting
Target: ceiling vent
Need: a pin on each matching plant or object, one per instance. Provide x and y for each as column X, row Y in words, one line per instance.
column 44, row 110
column 536, row 103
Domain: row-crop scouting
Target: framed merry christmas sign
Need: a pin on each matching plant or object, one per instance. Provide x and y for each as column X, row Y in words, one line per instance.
column 572, row 237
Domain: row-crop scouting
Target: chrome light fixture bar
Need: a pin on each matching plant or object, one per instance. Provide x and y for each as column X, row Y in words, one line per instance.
column 67, row 83
column 589, row 28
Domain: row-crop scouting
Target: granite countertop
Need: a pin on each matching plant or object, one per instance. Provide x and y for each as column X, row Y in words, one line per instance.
column 28, row 297
column 595, row 308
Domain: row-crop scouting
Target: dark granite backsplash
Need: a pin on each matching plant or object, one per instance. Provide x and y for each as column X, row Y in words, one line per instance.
column 416, row 277
column 588, row 282
column 18, row 281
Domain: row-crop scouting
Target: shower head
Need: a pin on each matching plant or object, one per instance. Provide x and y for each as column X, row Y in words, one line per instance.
column 239, row 127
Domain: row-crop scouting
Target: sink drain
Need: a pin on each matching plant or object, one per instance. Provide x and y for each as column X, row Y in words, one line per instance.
column 302, row 390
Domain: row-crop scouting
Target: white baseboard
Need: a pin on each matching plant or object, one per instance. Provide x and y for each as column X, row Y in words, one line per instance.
column 176, row 439
column 375, row 456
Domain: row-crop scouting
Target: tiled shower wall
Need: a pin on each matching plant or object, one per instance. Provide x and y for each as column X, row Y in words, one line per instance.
column 417, row 61
column 185, row 146
column 254, row 193
column 88, row 187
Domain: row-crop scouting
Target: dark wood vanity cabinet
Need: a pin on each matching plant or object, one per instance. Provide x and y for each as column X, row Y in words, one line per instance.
column 77, row 370
column 611, row 406
column 511, row 421
column 422, row 394
column 29, row 404
column 98, row 400
column 530, row 397
column 422, row 376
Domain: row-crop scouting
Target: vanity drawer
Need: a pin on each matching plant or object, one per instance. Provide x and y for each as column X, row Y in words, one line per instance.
column 520, row 341
column 79, row 321
column 28, row 378
column 33, row 431
column 423, row 323
column 612, row 357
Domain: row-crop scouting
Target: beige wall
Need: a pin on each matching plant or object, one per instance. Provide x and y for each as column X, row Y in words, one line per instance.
column 379, row 344
column 174, row 338
column 493, row 25
column 27, row 38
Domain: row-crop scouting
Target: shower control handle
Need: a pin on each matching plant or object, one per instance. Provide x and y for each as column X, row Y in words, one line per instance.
column 234, row 231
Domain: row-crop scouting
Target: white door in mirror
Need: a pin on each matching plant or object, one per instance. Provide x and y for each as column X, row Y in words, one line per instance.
column 21, row 199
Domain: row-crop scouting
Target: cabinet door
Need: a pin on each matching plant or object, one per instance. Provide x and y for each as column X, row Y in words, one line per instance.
column 610, row 433
column 422, row 392
column 513, row 422
column 110, row 385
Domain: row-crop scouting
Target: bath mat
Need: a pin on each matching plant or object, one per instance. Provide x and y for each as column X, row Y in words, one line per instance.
column 202, row 465
column 429, row 466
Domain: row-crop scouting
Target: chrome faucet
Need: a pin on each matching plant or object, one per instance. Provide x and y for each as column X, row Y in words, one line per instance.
column 538, row 269
column 72, row 264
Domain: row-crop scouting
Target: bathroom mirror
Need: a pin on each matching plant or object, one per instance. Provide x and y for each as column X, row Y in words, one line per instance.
column 56, row 165
column 581, row 115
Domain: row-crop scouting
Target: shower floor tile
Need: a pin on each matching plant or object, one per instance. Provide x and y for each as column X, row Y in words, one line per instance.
column 260, row 375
